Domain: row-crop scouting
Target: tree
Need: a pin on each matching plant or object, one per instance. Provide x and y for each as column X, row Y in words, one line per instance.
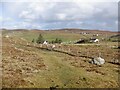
column 40, row 39
column 57, row 40
column 52, row 41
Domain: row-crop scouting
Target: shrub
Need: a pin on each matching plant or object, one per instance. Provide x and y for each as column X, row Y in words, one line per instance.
column 57, row 40
column 33, row 40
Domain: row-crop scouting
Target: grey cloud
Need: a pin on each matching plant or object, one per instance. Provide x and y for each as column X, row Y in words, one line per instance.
column 65, row 14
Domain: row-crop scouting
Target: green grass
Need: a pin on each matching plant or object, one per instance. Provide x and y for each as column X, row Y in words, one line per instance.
column 49, row 36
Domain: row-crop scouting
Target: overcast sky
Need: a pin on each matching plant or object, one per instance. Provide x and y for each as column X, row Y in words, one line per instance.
column 55, row 15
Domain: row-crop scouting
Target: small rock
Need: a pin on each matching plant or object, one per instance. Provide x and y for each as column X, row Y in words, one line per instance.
column 84, row 78
column 77, row 82
column 7, row 36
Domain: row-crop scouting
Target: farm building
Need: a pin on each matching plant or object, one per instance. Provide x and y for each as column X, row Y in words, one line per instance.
column 45, row 42
column 95, row 34
column 81, row 41
column 94, row 40
column 84, row 33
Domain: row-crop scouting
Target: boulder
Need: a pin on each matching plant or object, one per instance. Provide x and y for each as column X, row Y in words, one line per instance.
column 98, row 61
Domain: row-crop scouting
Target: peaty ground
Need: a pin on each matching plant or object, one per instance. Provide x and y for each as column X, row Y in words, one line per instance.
column 27, row 66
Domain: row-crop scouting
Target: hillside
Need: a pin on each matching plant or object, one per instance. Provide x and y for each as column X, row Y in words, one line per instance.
column 32, row 65
column 64, row 34
column 115, row 38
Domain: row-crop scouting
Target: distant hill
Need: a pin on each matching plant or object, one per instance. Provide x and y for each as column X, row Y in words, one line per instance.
column 66, row 29
column 115, row 38
column 66, row 34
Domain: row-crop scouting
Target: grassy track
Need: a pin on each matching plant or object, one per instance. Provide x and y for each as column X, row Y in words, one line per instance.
column 60, row 73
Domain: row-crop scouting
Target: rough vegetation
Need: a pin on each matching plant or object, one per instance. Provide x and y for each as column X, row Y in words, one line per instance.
column 28, row 64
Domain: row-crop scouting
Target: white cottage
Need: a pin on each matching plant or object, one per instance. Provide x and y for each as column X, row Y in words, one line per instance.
column 45, row 42
column 94, row 40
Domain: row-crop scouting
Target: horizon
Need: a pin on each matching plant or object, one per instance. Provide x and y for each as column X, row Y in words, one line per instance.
column 59, row 15
column 60, row 29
